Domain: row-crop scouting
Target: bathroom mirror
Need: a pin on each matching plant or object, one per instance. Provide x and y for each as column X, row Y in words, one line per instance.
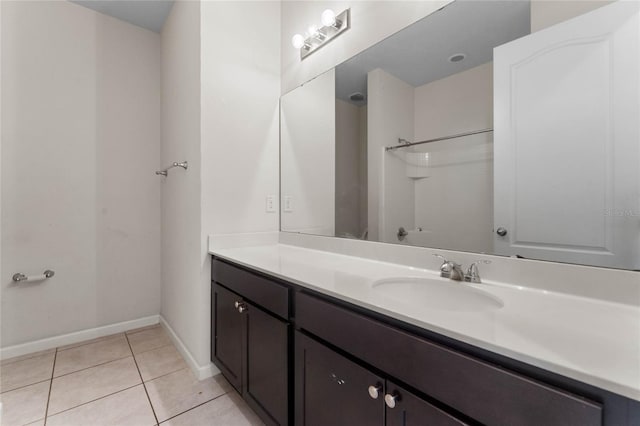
column 506, row 128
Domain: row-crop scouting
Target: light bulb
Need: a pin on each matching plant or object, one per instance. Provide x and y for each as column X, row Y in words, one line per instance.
column 312, row 30
column 328, row 18
column 297, row 41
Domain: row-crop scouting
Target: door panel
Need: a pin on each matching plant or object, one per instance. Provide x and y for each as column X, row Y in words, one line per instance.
column 413, row 411
column 228, row 325
column 266, row 377
column 566, row 140
column 331, row 390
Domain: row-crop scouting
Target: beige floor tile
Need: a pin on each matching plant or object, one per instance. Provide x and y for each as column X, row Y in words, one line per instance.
column 127, row 408
column 24, row 405
column 146, row 340
column 37, row 423
column 178, row 392
column 26, row 372
column 158, row 362
column 227, row 410
column 86, row 342
column 148, row 327
column 87, row 385
column 85, row 356
column 27, row 356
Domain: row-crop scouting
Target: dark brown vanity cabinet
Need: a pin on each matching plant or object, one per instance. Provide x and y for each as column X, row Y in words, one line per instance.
column 478, row 390
column 250, row 344
column 333, row 390
column 410, row 410
column 346, row 365
column 228, row 326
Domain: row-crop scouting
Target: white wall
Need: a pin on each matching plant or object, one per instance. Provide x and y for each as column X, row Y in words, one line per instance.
column 348, row 169
column 363, row 171
column 81, row 115
column 454, row 205
column 221, row 83
column 390, row 191
column 308, row 138
column 545, row 13
column 372, row 21
column 128, row 153
column 240, row 72
column 1, row 138
column 182, row 304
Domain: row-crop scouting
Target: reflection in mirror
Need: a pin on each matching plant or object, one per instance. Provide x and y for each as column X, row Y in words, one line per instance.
column 307, row 144
column 495, row 127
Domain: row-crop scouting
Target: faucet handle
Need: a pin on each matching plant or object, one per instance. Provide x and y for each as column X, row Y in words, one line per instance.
column 444, row 259
column 447, row 266
column 473, row 273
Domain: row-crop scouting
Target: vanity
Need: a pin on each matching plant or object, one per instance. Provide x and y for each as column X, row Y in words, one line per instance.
column 484, row 134
column 307, row 339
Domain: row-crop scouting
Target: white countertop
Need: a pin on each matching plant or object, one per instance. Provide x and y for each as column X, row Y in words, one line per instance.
column 593, row 341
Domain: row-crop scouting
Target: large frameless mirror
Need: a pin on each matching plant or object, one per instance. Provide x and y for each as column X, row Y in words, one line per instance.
column 488, row 126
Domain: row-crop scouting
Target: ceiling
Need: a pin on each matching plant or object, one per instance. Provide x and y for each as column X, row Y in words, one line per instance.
column 419, row 54
column 149, row 14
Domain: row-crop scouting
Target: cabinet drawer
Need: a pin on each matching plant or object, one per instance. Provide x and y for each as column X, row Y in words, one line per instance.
column 476, row 388
column 268, row 294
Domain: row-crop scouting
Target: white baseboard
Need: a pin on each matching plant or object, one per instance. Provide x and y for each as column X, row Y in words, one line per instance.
column 200, row 371
column 75, row 337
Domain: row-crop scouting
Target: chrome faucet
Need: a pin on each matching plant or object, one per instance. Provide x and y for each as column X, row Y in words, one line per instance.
column 453, row 271
column 450, row 269
column 473, row 273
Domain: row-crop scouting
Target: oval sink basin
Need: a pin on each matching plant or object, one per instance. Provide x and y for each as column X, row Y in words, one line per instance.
column 437, row 294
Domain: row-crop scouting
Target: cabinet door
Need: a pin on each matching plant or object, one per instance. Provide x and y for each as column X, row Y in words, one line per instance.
column 406, row 409
column 266, row 382
column 332, row 390
column 227, row 334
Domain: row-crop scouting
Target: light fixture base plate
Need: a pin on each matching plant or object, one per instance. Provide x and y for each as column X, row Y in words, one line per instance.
column 330, row 32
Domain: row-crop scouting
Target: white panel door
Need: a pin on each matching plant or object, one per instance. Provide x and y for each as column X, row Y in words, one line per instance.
column 567, row 186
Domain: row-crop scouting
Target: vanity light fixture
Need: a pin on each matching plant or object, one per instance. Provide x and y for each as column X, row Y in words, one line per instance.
column 315, row 38
column 298, row 41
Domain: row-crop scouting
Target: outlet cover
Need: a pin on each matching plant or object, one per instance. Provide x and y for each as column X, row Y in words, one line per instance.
column 270, row 204
column 288, row 203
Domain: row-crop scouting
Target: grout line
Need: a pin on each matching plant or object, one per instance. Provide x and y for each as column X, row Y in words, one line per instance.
column 93, row 366
column 194, row 407
column 89, row 342
column 142, row 380
column 53, row 369
column 71, row 372
column 94, row 400
column 166, row 374
column 136, row 331
column 149, row 350
column 26, row 357
column 24, row 386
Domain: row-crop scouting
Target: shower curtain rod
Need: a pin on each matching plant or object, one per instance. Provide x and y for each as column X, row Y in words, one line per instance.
column 403, row 143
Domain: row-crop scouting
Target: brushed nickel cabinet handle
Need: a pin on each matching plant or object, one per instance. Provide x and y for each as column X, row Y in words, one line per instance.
column 391, row 399
column 374, row 391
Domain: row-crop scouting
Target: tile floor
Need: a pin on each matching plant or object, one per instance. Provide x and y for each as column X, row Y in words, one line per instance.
column 137, row 378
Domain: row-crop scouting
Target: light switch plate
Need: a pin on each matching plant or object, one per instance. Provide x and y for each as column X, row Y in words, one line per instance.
column 288, row 203
column 270, row 204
